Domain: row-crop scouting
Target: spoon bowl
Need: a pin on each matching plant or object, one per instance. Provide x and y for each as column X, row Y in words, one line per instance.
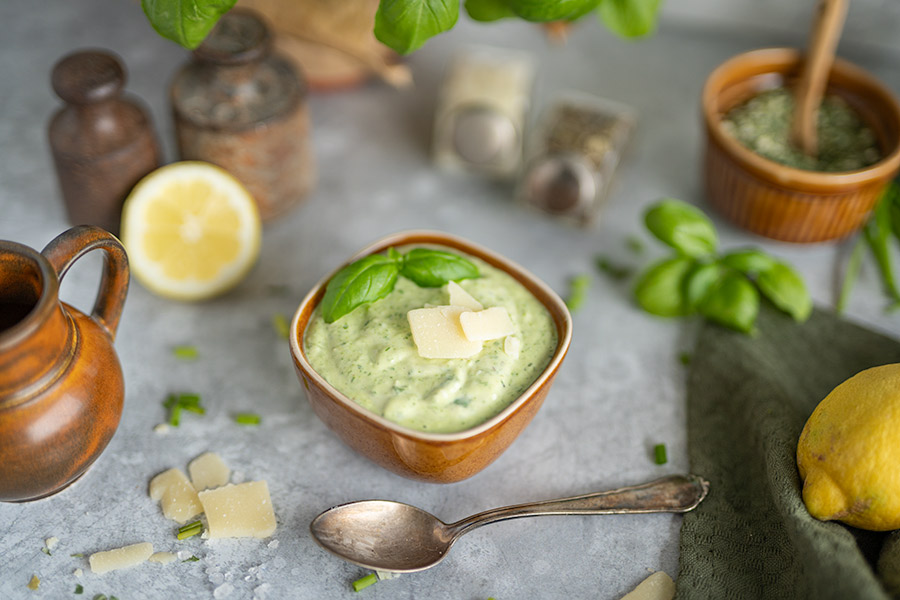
column 391, row 536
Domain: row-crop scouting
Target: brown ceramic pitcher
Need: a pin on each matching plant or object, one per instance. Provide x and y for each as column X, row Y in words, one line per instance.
column 61, row 385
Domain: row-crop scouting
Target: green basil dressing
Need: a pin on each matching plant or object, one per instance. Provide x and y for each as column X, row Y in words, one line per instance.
column 763, row 124
column 370, row 357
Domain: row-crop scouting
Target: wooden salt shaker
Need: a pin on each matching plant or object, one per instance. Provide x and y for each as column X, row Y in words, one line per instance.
column 102, row 143
column 241, row 107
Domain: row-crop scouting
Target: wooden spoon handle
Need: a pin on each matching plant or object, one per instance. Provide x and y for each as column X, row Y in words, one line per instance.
column 824, row 38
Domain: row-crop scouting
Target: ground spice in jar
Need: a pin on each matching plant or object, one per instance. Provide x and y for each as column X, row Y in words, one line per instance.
column 574, row 155
column 763, row 124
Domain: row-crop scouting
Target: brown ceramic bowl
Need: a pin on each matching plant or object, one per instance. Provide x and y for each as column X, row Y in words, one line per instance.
column 432, row 457
column 782, row 202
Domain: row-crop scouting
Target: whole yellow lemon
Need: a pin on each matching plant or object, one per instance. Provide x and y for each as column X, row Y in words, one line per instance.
column 849, row 452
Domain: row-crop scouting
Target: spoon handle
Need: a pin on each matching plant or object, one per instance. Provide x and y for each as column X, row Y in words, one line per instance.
column 675, row 493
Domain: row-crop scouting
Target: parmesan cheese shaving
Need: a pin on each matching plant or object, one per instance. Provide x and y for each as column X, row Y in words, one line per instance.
column 243, row 510
column 120, row 558
column 489, row 324
column 208, row 471
column 176, row 495
column 460, row 297
column 437, row 333
column 659, row 586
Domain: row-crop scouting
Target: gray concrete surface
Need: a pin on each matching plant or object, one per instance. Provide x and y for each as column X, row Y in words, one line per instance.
column 619, row 392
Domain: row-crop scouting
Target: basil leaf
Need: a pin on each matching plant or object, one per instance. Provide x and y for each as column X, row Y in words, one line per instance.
column 629, row 18
column 699, row 282
column 660, row 290
column 366, row 280
column 682, row 227
column 542, row 11
column 404, row 25
column 433, row 268
column 733, row 302
column 749, row 262
column 186, row 22
column 488, row 10
column 784, row 287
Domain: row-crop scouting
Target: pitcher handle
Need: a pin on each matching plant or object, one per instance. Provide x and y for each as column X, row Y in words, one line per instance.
column 71, row 245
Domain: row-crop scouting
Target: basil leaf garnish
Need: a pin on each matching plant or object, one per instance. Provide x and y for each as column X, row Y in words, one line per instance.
column 551, row 10
column 733, row 302
column 366, row 280
column 749, row 262
column 186, row 22
column 660, row 291
column 629, row 18
column 682, row 227
column 405, row 25
column 488, row 10
column 700, row 282
column 786, row 290
column 427, row 267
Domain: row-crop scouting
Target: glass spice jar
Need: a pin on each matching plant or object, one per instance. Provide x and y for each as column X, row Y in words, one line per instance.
column 481, row 111
column 243, row 108
column 573, row 155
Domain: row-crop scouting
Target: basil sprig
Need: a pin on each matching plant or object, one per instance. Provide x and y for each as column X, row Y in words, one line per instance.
column 723, row 288
column 373, row 277
column 405, row 25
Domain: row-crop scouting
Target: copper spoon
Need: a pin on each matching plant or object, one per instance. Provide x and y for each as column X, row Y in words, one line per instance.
column 810, row 88
column 391, row 536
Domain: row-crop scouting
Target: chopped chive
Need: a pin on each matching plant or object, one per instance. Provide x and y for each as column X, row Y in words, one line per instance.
column 79, row 589
column 190, row 530
column 46, row 551
column 634, row 243
column 186, row 400
column 247, row 419
column 176, row 403
column 77, row 555
column 614, row 271
column 100, row 597
column 578, row 290
column 659, row 454
column 364, row 582
column 684, row 358
column 191, row 559
column 185, row 352
column 281, row 325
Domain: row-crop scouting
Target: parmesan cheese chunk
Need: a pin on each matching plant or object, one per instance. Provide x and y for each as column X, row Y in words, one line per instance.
column 512, row 346
column 460, row 297
column 162, row 558
column 111, row 560
column 208, row 471
column 488, row 324
column 243, row 510
column 659, row 586
column 176, row 495
column 437, row 333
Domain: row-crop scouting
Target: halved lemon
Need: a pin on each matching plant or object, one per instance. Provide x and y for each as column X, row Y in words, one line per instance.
column 192, row 231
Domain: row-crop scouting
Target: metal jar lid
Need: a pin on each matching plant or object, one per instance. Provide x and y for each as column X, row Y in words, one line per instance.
column 484, row 136
column 560, row 184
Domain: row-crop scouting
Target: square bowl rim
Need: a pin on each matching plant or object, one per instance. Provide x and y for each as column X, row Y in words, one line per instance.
column 510, row 267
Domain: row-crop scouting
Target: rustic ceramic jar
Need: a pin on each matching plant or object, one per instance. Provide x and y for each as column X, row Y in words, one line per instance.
column 61, row 385
column 241, row 107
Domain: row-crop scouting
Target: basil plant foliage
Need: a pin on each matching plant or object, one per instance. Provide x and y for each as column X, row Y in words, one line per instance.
column 697, row 279
column 405, row 25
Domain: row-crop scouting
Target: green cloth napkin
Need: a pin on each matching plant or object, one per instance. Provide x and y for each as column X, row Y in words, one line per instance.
column 748, row 399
